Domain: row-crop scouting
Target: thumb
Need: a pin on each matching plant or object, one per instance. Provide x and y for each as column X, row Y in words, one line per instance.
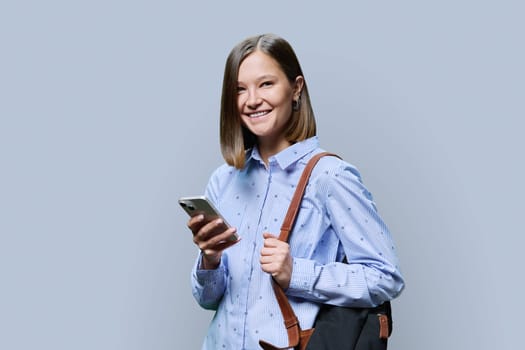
column 268, row 235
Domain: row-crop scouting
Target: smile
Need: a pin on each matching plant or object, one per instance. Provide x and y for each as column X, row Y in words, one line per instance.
column 258, row 114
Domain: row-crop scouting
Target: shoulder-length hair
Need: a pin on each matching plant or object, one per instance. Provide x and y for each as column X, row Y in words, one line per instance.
column 235, row 138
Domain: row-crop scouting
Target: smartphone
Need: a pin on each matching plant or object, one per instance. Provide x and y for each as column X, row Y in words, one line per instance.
column 197, row 205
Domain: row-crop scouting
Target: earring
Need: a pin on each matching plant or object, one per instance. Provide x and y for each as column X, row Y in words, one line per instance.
column 296, row 104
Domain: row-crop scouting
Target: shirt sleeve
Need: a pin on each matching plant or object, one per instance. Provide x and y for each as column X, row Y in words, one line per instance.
column 208, row 286
column 372, row 275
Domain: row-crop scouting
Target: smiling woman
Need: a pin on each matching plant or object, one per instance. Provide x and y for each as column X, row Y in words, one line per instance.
column 343, row 253
column 279, row 64
column 265, row 98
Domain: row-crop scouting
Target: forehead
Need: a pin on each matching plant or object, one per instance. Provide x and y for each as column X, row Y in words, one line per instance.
column 257, row 64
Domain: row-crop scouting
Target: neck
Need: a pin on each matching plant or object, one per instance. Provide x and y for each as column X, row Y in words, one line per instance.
column 268, row 149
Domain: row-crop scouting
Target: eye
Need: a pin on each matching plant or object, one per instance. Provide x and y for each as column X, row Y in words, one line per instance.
column 240, row 89
column 266, row 83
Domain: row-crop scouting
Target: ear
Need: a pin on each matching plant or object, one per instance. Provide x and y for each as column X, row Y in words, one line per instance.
column 298, row 87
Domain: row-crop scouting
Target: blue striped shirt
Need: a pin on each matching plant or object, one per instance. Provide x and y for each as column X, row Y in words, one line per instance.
column 337, row 218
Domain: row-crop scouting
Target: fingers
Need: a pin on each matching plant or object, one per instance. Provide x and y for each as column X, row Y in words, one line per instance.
column 195, row 223
column 272, row 245
column 276, row 260
column 218, row 241
column 271, row 241
column 274, row 253
column 211, row 236
column 268, row 235
column 203, row 229
column 273, row 262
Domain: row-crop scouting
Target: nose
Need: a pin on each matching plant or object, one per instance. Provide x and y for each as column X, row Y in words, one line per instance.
column 253, row 100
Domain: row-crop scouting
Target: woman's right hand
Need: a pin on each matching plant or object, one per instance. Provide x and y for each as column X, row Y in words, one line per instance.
column 212, row 237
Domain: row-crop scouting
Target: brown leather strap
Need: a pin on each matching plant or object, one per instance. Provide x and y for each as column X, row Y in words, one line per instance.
column 383, row 326
column 291, row 322
column 289, row 219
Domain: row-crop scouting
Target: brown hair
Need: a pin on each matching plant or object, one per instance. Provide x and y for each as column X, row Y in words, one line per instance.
column 236, row 138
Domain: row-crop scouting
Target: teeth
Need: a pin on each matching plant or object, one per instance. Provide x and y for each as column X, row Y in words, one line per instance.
column 258, row 114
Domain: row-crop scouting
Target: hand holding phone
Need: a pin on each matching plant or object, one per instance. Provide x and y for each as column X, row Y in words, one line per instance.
column 200, row 205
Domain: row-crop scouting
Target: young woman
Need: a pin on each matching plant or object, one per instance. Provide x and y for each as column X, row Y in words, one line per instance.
column 268, row 134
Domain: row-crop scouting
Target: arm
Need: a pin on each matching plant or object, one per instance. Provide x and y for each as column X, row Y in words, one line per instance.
column 210, row 271
column 372, row 275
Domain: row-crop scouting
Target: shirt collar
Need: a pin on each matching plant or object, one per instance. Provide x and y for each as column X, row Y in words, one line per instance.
column 289, row 155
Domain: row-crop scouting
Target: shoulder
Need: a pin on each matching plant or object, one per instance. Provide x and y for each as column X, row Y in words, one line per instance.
column 223, row 170
column 334, row 168
column 334, row 175
column 222, row 175
column 335, row 180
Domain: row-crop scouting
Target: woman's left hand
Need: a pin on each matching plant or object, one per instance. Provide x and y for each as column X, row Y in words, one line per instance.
column 276, row 259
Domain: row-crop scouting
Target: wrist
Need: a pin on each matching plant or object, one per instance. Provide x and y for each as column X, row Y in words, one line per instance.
column 210, row 262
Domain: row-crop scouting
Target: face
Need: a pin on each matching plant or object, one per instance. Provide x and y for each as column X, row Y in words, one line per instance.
column 265, row 98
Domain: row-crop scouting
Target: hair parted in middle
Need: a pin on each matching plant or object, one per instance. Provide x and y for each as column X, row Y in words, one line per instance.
column 235, row 138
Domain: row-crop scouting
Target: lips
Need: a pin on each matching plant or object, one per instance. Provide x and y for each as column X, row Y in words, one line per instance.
column 258, row 114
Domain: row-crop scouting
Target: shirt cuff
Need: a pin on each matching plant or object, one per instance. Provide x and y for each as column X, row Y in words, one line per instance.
column 208, row 277
column 303, row 275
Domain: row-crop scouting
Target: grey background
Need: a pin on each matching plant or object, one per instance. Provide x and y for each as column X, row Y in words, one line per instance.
column 109, row 113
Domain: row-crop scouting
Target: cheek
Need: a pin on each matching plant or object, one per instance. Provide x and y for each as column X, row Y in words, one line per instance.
column 285, row 103
column 240, row 102
column 283, row 97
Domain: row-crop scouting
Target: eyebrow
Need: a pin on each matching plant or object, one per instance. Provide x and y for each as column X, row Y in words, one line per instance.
column 266, row 76
column 262, row 77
